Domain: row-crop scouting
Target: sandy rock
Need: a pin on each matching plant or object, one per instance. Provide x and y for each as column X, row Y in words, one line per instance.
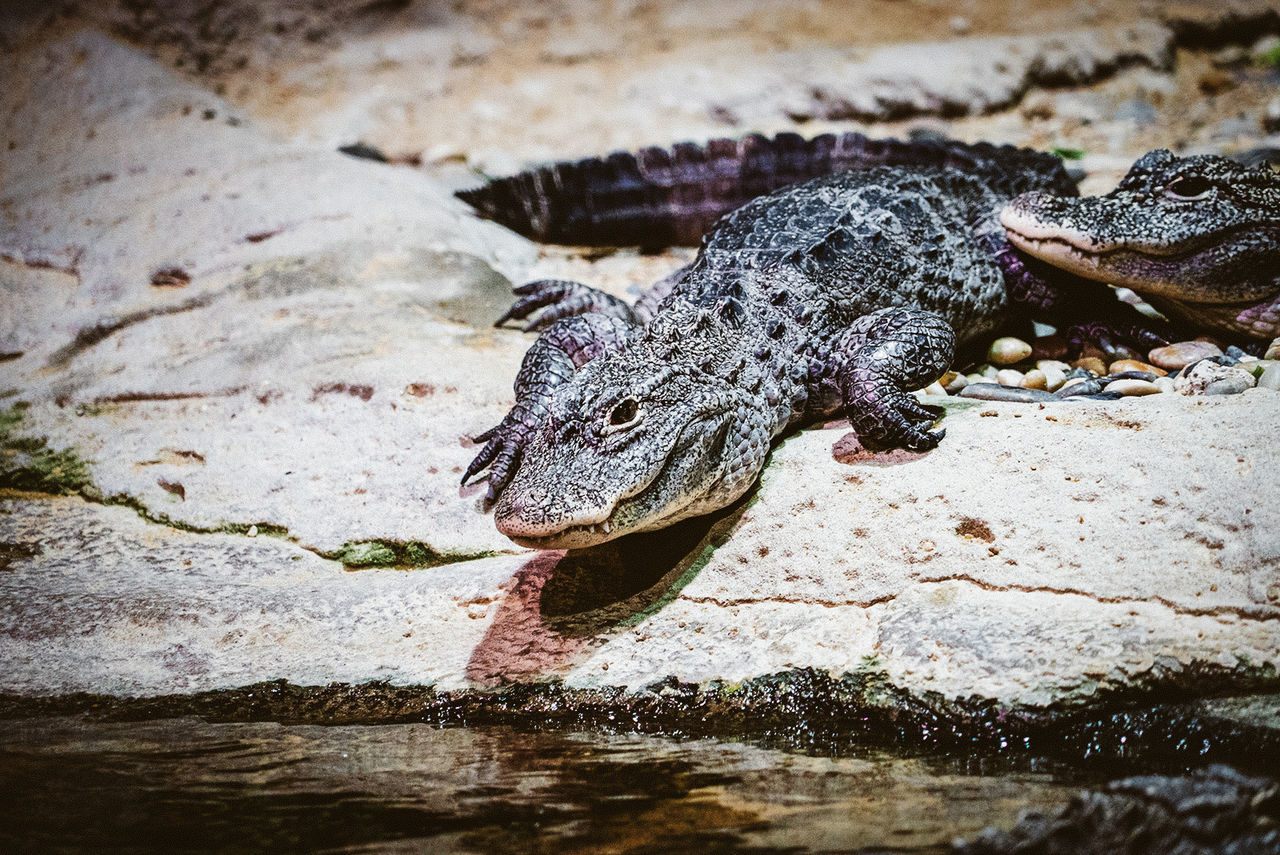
column 991, row 575
column 261, row 329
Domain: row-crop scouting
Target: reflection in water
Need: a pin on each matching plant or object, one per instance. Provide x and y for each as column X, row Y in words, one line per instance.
column 183, row 785
column 560, row 603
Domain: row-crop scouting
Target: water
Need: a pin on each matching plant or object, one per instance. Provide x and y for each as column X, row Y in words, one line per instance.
column 75, row 784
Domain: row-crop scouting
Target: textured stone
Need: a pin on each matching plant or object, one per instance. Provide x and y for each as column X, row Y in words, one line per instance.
column 1008, row 350
column 1207, row 377
column 1270, row 377
column 259, row 328
column 1176, row 356
column 1120, row 366
column 1130, row 387
column 1092, row 364
column 1004, row 392
column 1009, row 377
column 1036, row 379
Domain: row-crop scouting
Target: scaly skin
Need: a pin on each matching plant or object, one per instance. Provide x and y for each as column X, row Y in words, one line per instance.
column 837, row 295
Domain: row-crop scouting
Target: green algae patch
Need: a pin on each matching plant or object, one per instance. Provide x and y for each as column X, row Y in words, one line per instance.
column 124, row 500
column 28, row 464
column 361, row 554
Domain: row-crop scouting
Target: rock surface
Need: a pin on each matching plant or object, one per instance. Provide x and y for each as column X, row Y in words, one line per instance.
column 251, row 362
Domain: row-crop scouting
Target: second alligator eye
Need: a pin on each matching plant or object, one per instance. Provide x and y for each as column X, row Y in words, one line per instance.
column 626, row 412
column 1190, row 188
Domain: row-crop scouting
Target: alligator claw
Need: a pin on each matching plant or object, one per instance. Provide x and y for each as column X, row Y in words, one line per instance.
column 895, row 419
column 504, row 445
column 1115, row 341
column 545, row 301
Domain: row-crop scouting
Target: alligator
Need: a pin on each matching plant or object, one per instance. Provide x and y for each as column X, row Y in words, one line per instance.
column 835, row 275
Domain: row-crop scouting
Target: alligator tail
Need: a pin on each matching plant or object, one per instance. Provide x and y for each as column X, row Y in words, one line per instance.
column 664, row 197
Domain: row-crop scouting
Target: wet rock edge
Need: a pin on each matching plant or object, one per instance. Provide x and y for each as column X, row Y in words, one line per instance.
column 803, row 710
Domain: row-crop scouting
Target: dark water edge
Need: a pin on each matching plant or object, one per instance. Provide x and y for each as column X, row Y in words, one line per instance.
column 81, row 784
column 797, row 762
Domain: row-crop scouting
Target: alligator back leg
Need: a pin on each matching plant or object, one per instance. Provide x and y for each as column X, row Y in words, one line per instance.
column 561, row 350
column 664, row 197
column 886, row 354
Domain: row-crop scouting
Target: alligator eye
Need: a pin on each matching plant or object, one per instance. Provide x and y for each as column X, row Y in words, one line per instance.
column 1188, row 189
column 626, row 413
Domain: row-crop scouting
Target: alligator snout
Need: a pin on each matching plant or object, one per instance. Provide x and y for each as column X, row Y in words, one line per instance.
column 536, row 513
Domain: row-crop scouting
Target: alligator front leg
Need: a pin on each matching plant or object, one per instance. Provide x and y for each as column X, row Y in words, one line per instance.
column 886, row 355
column 562, row 349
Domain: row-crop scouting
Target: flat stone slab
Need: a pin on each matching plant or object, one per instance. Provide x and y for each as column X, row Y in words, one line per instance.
column 1038, row 557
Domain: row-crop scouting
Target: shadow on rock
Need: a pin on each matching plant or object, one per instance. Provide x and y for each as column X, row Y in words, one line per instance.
column 562, row 603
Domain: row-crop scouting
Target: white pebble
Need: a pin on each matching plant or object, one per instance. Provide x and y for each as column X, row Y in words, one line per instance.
column 1009, row 377
column 1008, row 350
column 1270, row 377
column 1133, row 387
column 1035, row 379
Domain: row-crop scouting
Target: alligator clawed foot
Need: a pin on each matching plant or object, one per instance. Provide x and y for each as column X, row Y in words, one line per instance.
column 504, row 445
column 897, row 420
column 545, row 301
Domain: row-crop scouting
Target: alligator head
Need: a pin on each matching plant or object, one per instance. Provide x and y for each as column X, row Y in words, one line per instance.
column 1198, row 236
column 631, row 443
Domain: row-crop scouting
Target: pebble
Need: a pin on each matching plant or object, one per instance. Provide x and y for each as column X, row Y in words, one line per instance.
column 1104, row 395
column 934, row 388
column 1093, row 365
column 1035, row 379
column 1200, row 377
column 1273, row 350
column 955, row 384
column 1270, row 378
column 1122, row 365
column 1009, row 377
column 1175, row 357
column 1130, row 387
column 976, row 378
column 1007, row 350
column 1079, row 386
column 1229, row 386
column 1129, row 375
column 1165, row 384
column 1053, row 378
column 996, row 392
